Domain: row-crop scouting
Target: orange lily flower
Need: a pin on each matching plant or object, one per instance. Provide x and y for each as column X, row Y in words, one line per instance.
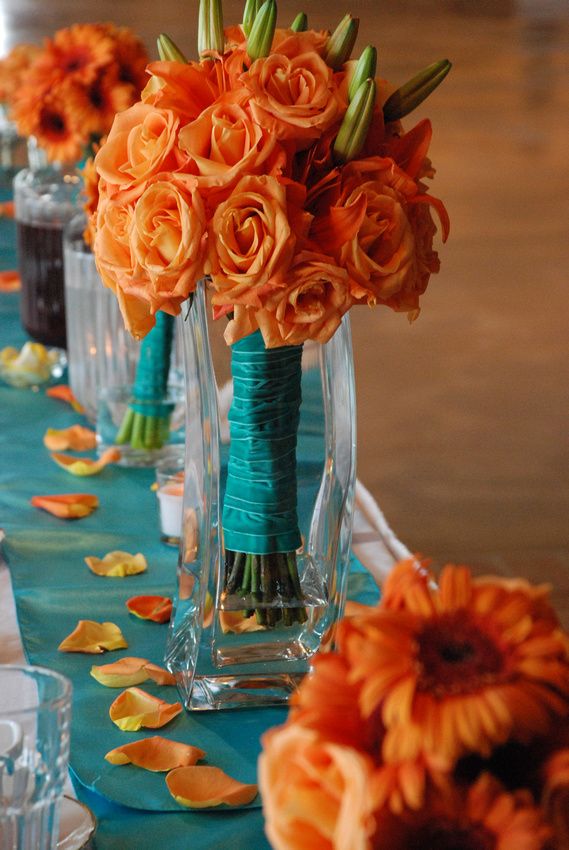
column 201, row 787
column 117, row 564
column 67, row 505
column 156, row 753
column 134, row 708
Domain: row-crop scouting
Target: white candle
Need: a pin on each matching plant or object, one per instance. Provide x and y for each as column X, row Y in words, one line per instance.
column 170, row 498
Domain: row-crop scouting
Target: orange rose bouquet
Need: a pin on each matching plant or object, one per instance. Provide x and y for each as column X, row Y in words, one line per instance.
column 441, row 721
column 276, row 169
column 68, row 95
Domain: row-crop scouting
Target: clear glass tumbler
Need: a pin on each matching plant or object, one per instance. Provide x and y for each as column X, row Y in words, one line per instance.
column 35, row 711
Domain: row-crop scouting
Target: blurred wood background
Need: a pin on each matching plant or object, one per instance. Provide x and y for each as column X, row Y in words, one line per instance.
column 462, row 417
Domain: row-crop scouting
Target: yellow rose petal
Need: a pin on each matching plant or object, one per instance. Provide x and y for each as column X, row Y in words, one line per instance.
column 156, row 753
column 84, row 465
column 67, row 505
column 134, row 708
column 201, row 787
column 92, row 637
column 117, row 564
column 130, row 671
column 77, row 438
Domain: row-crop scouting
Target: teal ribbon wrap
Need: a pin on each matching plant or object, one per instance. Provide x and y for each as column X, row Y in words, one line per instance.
column 151, row 377
column 260, row 503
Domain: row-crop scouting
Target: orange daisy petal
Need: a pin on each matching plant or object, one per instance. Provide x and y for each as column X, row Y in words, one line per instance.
column 67, row 505
column 117, row 564
column 202, row 787
column 130, row 671
column 92, row 638
column 64, row 393
column 157, row 754
column 10, row 281
column 77, row 437
column 155, row 608
column 84, row 465
column 134, row 709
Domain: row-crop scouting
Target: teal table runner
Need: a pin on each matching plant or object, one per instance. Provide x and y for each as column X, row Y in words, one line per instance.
column 53, row 589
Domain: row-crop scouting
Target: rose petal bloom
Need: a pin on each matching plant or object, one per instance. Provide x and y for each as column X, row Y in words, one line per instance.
column 156, row 754
column 204, row 786
column 458, row 668
column 167, row 238
column 311, row 304
column 140, row 144
column 185, row 89
column 250, row 242
column 295, row 99
column 315, row 793
column 224, row 143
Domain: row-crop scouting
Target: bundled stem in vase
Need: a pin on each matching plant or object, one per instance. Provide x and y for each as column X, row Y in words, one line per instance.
column 146, row 424
column 260, row 523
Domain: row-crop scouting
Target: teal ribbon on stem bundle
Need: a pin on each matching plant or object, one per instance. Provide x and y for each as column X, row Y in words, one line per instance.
column 260, row 522
column 146, row 424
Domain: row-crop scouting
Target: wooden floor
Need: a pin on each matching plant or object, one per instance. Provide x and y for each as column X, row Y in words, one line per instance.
column 463, row 431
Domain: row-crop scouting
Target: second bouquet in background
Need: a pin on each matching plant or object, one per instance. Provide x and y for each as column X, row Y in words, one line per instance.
column 276, row 170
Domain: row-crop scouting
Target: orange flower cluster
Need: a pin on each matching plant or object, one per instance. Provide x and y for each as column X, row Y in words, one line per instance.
column 441, row 721
column 13, row 69
column 76, row 83
column 225, row 171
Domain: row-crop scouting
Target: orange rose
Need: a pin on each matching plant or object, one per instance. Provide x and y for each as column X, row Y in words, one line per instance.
column 167, row 240
column 141, row 143
column 295, row 99
column 115, row 261
column 310, row 306
column 251, row 242
column 185, row 89
column 224, row 143
column 315, row 794
column 291, row 44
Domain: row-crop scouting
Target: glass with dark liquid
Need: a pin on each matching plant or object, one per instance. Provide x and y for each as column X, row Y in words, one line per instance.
column 45, row 200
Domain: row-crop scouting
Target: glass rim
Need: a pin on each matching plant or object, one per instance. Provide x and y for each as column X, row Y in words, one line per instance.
column 52, row 702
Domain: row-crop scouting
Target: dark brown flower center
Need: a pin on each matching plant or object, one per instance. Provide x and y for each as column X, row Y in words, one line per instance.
column 53, row 123
column 457, row 655
column 446, row 835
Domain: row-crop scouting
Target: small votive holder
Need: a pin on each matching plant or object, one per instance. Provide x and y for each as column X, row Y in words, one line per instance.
column 170, row 495
column 159, row 433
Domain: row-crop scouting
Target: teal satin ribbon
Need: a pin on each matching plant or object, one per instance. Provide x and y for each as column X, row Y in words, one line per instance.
column 260, row 503
column 151, row 377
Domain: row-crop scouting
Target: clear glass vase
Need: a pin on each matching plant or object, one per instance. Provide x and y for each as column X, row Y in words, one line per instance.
column 101, row 353
column 13, row 151
column 231, row 647
column 45, row 200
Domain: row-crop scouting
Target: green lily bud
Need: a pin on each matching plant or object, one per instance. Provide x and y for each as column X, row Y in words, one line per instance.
column 168, row 51
column 408, row 97
column 249, row 14
column 263, row 30
column 365, row 68
column 300, row 23
column 341, row 43
column 355, row 126
column 210, row 27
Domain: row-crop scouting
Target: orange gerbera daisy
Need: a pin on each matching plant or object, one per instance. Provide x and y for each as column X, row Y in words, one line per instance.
column 55, row 130
column 485, row 817
column 457, row 668
column 77, row 53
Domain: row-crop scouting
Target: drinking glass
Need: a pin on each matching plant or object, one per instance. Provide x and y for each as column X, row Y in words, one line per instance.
column 35, row 709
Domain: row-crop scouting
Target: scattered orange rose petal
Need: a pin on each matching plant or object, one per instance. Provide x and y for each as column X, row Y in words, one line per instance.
column 130, row 671
column 7, row 209
column 85, row 465
column 155, row 608
column 64, row 393
column 10, row 281
column 134, row 708
column 77, row 437
column 157, row 754
column 202, row 786
column 117, row 564
column 235, row 621
column 91, row 637
column 67, row 505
